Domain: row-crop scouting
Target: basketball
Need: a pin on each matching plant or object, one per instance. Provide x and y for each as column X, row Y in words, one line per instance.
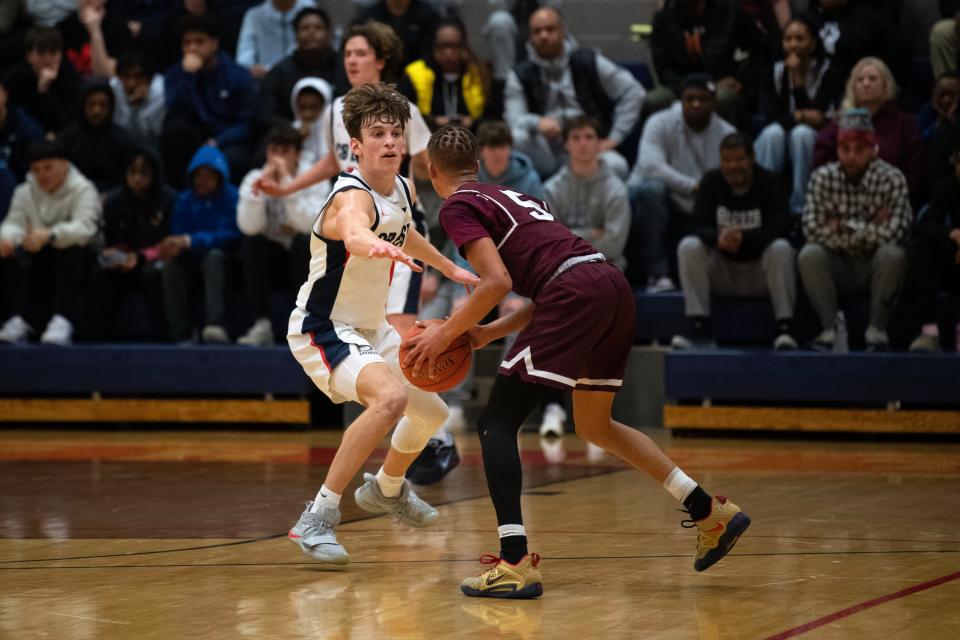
column 450, row 367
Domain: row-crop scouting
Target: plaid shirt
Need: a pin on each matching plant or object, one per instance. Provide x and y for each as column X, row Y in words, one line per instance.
column 832, row 196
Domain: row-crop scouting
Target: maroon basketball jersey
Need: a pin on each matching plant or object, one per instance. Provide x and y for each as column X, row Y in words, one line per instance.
column 531, row 243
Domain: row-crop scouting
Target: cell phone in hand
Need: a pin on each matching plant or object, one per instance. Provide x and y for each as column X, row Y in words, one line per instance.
column 112, row 259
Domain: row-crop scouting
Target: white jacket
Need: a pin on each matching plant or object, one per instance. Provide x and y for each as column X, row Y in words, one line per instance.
column 259, row 214
column 72, row 212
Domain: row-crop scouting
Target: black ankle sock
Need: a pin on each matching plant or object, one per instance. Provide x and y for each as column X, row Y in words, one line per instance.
column 698, row 503
column 701, row 326
column 513, row 548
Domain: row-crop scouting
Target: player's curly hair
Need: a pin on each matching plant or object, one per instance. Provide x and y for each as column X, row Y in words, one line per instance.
column 454, row 149
column 384, row 41
column 369, row 103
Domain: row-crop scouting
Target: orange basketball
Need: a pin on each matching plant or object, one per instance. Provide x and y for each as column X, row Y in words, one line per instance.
column 450, row 367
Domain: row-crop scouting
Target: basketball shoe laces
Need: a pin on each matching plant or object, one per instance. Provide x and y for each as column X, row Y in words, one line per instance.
column 489, row 558
column 702, row 536
column 408, row 503
column 317, row 527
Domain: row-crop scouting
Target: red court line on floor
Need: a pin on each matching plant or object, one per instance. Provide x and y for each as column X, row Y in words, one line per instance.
column 869, row 604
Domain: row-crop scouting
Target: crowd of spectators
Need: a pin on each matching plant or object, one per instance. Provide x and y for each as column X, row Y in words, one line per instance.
column 781, row 151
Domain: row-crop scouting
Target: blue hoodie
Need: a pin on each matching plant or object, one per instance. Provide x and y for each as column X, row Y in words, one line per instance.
column 221, row 100
column 16, row 134
column 210, row 222
column 519, row 176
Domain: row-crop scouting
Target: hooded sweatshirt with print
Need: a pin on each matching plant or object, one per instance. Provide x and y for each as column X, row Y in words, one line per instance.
column 587, row 204
column 71, row 213
column 210, row 222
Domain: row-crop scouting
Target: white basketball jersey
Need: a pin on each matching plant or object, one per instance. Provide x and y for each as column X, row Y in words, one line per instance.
column 353, row 289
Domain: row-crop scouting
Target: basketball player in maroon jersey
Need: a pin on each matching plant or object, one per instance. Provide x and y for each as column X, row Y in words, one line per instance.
column 575, row 334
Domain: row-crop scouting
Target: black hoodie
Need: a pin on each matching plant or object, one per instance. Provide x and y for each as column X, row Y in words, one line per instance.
column 99, row 153
column 131, row 223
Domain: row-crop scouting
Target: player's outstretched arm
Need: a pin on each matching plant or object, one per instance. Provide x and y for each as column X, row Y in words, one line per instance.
column 420, row 248
column 353, row 212
column 495, row 283
column 323, row 169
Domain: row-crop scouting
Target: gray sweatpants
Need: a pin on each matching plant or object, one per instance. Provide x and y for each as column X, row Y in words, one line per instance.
column 703, row 270
column 826, row 273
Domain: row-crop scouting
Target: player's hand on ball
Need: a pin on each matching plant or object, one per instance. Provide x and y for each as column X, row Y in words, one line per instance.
column 384, row 249
column 424, row 348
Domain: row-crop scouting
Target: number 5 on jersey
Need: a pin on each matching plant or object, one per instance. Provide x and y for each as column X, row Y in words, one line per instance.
column 536, row 211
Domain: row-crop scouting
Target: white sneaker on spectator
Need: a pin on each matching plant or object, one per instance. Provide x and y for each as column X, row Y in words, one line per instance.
column 455, row 420
column 681, row 342
column 824, row 341
column 785, row 342
column 215, row 334
column 876, row 339
column 553, row 418
column 660, row 285
column 553, row 450
column 59, row 332
column 259, row 335
column 15, row 330
column 925, row 344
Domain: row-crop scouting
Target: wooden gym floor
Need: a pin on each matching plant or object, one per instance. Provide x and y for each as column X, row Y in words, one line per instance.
column 182, row 535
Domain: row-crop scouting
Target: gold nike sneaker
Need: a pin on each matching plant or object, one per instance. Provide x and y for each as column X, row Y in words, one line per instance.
column 718, row 532
column 505, row 580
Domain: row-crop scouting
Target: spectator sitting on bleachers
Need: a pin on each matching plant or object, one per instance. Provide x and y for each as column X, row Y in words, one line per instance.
column 450, row 86
column 276, row 230
column 587, row 196
column 170, row 50
column 313, row 57
column 857, row 216
column 559, row 81
column 501, row 164
column 139, row 94
column 136, row 218
column 738, row 246
column 52, row 217
column 941, row 111
column 308, row 98
column 414, row 22
column 267, row 34
column 678, row 146
column 94, row 144
column 872, row 87
column 203, row 227
column 707, row 36
column 210, row 98
column 851, row 31
column 45, row 84
column 935, row 257
column 798, row 94
column 17, row 131
column 943, row 39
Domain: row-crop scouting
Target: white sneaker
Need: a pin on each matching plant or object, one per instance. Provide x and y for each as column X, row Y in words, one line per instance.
column 553, row 418
column 660, row 285
column 215, row 334
column 59, row 332
column 15, row 330
column 455, row 420
column 259, row 335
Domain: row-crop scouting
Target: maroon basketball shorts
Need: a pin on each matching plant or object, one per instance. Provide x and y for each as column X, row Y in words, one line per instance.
column 581, row 332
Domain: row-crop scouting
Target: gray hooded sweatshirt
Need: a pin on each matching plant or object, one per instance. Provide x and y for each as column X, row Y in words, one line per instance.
column 585, row 205
column 72, row 212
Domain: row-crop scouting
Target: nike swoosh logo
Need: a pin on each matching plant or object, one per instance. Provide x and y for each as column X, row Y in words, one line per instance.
column 717, row 529
column 495, row 579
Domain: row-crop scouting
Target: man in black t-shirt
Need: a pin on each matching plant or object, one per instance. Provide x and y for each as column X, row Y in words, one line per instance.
column 738, row 246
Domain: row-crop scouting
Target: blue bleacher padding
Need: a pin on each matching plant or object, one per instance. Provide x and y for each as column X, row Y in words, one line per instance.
column 760, row 376
column 151, row 369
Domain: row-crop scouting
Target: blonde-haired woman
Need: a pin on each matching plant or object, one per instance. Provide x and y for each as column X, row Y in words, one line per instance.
column 871, row 86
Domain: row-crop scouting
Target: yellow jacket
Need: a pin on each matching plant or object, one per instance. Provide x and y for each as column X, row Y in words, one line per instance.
column 422, row 77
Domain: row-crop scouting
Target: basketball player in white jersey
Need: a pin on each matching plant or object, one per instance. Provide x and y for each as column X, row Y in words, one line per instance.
column 372, row 51
column 339, row 332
